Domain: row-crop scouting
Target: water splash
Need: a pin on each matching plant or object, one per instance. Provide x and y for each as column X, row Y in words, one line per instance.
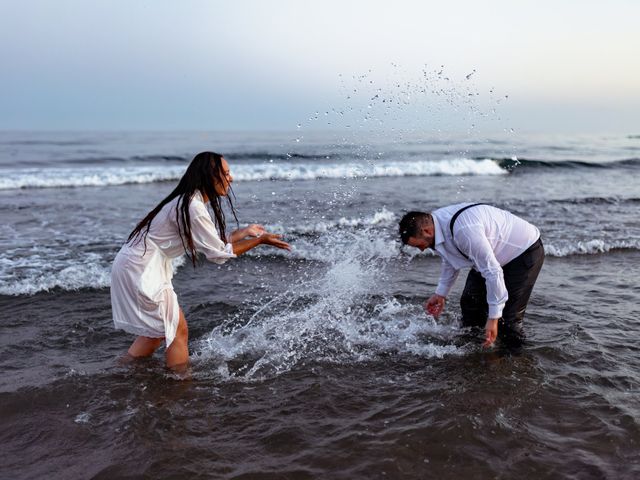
column 341, row 315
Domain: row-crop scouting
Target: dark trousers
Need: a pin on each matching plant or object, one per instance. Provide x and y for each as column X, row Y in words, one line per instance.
column 520, row 275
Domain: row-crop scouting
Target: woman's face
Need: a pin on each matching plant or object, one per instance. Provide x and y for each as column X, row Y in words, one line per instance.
column 227, row 179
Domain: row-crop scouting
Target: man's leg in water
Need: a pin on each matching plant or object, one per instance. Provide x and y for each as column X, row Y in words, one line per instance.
column 473, row 301
column 520, row 276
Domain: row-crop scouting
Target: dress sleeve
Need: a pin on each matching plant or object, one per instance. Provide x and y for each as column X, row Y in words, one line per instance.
column 207, row 241
column 448, row 276
column 475, row 242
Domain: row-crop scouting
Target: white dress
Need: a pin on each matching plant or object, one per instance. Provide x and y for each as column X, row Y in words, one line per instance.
column 142, row 296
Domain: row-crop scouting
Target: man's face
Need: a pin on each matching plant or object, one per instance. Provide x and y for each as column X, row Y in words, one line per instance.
column 424, row 239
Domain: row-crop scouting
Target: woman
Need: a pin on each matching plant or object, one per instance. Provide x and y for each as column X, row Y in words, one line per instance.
column 142, row 295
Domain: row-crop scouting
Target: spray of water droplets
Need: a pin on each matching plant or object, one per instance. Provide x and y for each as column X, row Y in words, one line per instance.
column 341, row 314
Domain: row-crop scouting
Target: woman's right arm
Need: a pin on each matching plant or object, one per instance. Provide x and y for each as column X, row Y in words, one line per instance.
column 242, row 246
column 207, row 240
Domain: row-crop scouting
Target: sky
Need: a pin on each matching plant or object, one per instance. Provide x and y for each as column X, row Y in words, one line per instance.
column 538, row 66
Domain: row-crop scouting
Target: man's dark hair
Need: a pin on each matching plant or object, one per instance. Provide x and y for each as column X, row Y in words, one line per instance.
column 411, row 223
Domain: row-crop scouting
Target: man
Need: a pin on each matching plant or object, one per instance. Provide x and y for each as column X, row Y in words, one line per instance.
column 505, row 254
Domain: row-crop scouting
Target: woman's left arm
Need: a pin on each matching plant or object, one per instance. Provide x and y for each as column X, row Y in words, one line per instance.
column 253, row 230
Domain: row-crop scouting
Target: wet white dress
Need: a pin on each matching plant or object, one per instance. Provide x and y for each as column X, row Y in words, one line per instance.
column 142, row 296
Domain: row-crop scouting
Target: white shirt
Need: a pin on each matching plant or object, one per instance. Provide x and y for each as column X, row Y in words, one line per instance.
column 490, row 237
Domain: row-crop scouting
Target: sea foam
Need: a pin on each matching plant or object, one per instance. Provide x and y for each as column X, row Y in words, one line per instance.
column 36, row 273
column 589, row 247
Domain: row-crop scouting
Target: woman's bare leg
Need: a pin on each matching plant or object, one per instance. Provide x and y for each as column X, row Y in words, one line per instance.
column 144, row 346
column 178, row 352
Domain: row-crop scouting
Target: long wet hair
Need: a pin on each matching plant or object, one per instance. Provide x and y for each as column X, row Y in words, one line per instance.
column 203, row 173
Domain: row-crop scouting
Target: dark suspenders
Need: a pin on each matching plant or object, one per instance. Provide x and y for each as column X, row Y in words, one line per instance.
column 453, row 219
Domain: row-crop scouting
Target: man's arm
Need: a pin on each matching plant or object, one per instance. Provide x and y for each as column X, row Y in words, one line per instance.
column 448, row 275
column 474, row 241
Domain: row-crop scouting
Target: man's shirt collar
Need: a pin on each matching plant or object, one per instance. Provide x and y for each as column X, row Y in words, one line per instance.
column 438, row 233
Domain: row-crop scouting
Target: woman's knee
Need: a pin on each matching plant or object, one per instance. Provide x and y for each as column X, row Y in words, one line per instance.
column 144, row 346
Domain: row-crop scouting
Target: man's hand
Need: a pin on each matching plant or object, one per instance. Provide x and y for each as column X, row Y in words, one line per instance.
column 491, row 332
column 435, row 305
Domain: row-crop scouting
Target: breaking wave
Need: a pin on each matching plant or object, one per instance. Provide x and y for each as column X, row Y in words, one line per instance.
column 524, row 163
column 94, row 176
column 589, row 247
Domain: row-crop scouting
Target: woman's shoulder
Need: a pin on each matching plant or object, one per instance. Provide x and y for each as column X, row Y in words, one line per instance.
column 197, row 205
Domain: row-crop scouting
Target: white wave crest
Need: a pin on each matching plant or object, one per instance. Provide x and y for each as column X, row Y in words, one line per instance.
column 311, row 171
column 93, row 176
column 37, row 273
column 32, row 275
column 590, row 247
column 86, row 177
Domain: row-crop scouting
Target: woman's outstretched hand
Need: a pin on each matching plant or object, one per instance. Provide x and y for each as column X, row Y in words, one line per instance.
column 253, row 230
column 274, row 240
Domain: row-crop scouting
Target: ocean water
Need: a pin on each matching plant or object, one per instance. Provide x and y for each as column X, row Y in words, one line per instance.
column 320, row 363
